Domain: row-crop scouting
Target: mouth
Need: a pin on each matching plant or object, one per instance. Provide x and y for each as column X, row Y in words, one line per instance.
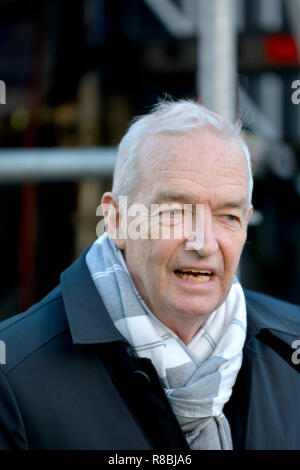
column 194, row 275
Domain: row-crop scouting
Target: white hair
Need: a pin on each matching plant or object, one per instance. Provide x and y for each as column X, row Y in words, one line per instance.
column 176, row 117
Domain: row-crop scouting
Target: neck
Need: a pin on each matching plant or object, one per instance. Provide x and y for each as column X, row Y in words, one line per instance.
column 183, row 326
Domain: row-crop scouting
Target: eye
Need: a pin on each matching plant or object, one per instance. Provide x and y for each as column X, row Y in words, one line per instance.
column 231, row 220
column 174, row 212
column 231, row 217
column 171, row 215
column 171, row 212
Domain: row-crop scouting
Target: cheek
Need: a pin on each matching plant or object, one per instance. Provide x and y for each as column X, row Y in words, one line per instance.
column 144, row 256
column 160, row 254
column 231, row 253
column 163, row 252
column 135, row 257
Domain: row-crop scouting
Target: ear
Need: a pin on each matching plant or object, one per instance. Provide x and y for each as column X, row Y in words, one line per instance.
column 250, row 212
column 113, row 219
column 249, row 215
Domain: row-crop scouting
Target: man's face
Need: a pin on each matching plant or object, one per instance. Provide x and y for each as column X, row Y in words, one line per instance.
column 199, row 168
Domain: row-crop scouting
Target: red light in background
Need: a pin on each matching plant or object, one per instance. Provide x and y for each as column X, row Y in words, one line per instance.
column 281, row 49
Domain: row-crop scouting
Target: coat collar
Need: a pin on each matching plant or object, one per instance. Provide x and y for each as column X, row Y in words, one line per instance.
column 90, row 323
column 264, row 312
column 88, row 318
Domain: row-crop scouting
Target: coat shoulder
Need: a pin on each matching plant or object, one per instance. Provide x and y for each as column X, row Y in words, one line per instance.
column 26, row 332
column 266, row 311
column 272, row 303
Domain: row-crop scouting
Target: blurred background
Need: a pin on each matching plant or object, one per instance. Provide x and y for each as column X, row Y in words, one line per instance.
column 73, row 74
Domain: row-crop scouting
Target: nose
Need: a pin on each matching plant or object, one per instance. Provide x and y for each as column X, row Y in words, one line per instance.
column 203, row 239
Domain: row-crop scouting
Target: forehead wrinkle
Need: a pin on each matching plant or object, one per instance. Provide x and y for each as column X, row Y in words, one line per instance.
column 201, row 180
column 199, row 189
column 166, row 145
column 234, row 170
column 184, row 181
column 168, row 158
column 200, row 185
column 231, row 166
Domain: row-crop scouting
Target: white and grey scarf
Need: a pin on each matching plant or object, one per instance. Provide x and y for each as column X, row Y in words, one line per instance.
column 197, row 377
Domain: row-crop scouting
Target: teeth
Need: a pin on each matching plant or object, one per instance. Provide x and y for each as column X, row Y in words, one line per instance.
column 196, row 271
column 199, row 278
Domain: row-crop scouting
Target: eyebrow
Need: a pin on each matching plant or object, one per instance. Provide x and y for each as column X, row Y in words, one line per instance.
column 166, row 196
column 240, row 203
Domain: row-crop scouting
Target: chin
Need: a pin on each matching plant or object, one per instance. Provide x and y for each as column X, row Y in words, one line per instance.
column 194, row 310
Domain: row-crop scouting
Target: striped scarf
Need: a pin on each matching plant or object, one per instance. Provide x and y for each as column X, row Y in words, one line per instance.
column 197, row 377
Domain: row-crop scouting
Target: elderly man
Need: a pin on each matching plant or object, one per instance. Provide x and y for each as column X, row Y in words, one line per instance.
column 150, row 342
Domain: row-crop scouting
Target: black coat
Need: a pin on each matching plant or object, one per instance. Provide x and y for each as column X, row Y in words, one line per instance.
column 71, row 382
